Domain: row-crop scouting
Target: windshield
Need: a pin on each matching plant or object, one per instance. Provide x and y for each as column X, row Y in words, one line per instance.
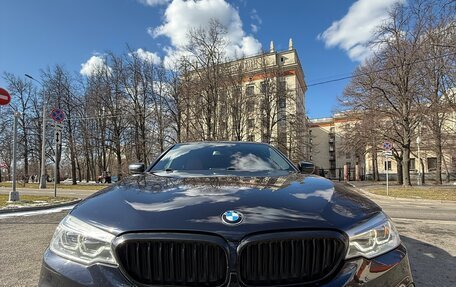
column 248, row 157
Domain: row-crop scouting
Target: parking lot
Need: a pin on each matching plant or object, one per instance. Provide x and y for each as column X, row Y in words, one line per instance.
column 427, row 228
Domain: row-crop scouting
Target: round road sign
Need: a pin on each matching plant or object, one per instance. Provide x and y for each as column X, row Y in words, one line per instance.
column 5, row 97
column 387, row 145
column 57, row 115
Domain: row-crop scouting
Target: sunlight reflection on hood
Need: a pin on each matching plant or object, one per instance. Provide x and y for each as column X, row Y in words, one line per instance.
column 191, row 196
column 321, row 193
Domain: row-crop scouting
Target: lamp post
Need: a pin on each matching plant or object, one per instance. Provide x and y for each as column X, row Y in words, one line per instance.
column 43, row 145
column 418, row 141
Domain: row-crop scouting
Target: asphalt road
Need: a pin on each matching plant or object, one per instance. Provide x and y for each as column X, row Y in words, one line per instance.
column 427, row 228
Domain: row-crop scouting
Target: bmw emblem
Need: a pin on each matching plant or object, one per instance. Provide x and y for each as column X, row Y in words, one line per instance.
column 232, row 217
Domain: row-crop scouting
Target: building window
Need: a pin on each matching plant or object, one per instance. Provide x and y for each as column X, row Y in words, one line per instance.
column 250, row 138
column 388, row 165
column 282, row 103
column 264, row 87
column 250, row 123
column 412, row 164
column 250, row 105
column 250, row 90
column 282, row 86
column 236, row 91
column 432, row 163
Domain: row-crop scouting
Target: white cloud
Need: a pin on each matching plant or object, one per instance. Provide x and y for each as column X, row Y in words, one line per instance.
column 148, row 56
column 254, row 28
column 255, row 17
column 181, row 16
column 354, row 31
column 250, row 46
column 153, row 3
column 94, row 65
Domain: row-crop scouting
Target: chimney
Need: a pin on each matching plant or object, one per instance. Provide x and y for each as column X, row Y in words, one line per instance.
column 271, row 47
column 290, row 44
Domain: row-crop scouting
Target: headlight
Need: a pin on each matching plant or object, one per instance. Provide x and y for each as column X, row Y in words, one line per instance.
column 372, row 238
column 82, row 242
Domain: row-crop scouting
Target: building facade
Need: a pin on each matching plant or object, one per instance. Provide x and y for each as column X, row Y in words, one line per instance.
column 261, row 99
column 330, row 153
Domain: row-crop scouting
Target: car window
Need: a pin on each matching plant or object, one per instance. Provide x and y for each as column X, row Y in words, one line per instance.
column 222, row 156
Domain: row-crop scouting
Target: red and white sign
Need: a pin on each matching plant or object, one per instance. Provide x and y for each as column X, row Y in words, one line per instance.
column 3, row 165
column 5, row 97
column 57, row 115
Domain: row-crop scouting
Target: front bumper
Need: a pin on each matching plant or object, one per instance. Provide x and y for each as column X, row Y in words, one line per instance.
column 389, row 269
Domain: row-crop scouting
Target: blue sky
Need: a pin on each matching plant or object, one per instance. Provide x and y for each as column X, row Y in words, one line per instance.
column 329, row 35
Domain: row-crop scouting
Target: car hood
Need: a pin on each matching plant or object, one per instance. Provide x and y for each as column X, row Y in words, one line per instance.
column 167, row 203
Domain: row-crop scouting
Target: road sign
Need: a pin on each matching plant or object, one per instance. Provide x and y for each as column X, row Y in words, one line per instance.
column 57, row 136
column 57, row 115
column 5, row 97
column 3, row 165
column 387, row 146
column 388, row 153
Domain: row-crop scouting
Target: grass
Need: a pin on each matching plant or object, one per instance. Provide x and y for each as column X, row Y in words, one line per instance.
column 50, row 186
column 423, row 192
column 33, row 200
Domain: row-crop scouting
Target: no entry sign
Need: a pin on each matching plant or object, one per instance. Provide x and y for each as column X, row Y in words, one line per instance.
column 57, row 115
column 5, row 97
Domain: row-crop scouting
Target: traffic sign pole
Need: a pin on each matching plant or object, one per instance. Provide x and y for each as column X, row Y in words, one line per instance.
column 57, row 140
column 14, row 195
column 387, row 146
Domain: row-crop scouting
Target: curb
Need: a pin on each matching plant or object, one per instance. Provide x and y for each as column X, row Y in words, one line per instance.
column 373, row 195
column 35, row 208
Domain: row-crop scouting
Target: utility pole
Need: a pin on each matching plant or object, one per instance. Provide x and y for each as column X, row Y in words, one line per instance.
column 418, row 141
column 14, row 195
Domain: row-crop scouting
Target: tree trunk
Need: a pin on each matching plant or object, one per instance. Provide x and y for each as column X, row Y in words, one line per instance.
column 400, row 178
column 438, row 154
column 405, row 166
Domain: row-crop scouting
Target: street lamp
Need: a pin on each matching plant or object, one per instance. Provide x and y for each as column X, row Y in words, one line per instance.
column 418, row 141
column 43, row 146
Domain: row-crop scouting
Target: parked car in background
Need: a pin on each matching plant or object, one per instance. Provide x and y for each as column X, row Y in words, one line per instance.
column 105, row 177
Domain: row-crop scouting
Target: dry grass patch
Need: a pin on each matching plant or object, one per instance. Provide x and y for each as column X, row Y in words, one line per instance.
column 423, row 192
column 32, row 200
column 50, row 186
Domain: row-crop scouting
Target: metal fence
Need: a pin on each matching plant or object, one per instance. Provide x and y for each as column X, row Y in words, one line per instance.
column 338, row 173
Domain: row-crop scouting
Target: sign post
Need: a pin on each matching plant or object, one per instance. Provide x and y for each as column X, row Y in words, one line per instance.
column 387, row 146
column 58, row 116
column 14, row 195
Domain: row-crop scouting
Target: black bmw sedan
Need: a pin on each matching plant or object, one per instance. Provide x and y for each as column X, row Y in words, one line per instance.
column 225, row 214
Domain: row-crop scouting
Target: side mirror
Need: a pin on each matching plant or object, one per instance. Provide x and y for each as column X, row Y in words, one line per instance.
column 136, row 168
column 306, row 167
